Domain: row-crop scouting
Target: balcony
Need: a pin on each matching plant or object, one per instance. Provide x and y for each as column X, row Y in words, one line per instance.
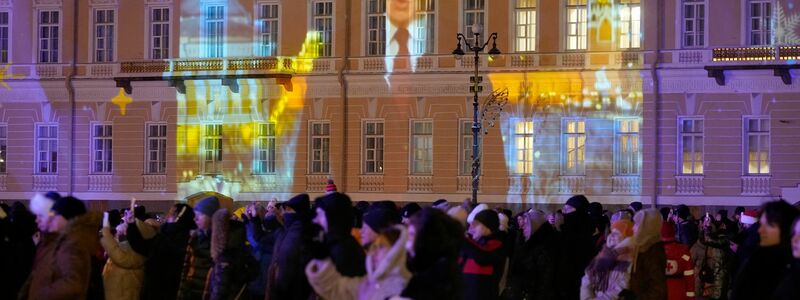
column 101, row 183
column 315, row 183
column 45, row 182
column 370, row 183
column 266, row 182
column 420, row 184
column 154, row 183
column 755, row 185
column 626, row 185
column 572, row 185
column 465, row 183
column 689, row 185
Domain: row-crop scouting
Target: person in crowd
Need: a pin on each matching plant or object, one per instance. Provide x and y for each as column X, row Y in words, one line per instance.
column 622, row 214
column 608, row 274
column 261, row 231
column 789, row 286
column 335, row 217
column 482, row 256
column 600, row 223
column 532, row 272
column 40, row 206
column 62, row 265
column 459, row 213
column 725, row 222
column 746, row 241
column 386, row 276
column 434, row 241
column 441, row 204
column 680, row 267
column 375, row 221
column 685, row 225
column 648, row 280
column 408, row 211
column 123, row 274
column 713, row 260
column 17, row 228
column 737, row 215
column 285, row 278
column 577, row 246
column 330, row 187
column 556, row 219
column 761, row 273
column 635, row 206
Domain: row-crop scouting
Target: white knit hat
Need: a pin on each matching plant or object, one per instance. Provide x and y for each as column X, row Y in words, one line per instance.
column 40, row 205
column 481, row 207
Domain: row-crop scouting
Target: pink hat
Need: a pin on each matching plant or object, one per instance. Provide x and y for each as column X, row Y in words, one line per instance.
column 749, row 217
column 330, row 187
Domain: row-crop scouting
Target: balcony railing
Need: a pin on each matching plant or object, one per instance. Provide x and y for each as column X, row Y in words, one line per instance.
column 689, row 185
column 767, row 53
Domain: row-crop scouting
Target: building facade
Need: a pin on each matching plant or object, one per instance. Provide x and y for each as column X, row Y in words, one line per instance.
column 671, row 101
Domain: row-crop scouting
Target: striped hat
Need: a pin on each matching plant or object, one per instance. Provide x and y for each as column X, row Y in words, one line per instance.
column 330, row 187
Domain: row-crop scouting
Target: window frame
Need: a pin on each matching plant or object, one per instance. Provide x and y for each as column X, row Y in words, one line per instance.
column 107, row 166
column 149, row 31
column 681, row 26
column 632, row 35
column 514, row 26
column 258, row 35
column 380, row 163
column 10, row 29
column 381, row 45
column 531, row 152
column 271, row 152
column 413, row 146
column 694, row 135
column 324, row 159
column 618, row 134
column 431, row 35
column 768, row 40
column 463, row 134
column 567, row 6
column 38, row 40
column 208, row 49
column 94, row 46
column 580, row 165
column 467, row 29
column 147, row 151
column 746, row 144
column 218, row 164
column 37, row 140
column 312, row 20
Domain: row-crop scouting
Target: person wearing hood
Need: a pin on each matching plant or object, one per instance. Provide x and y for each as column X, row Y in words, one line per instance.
column 648, row 279
column 335, row 217
column 532, row 272
column 62, row 265
column 261, row 233
column 17, row 259
column 482, row 256
column 577, row 246
column 409, row 210
column 374, row 222
column 292, row 252
column 789, row 286
column 434, row 240
column 713, row 260
column 608, row 274
column 680, row 267
column 386, row 276
column 123, row 274
column 761, row 274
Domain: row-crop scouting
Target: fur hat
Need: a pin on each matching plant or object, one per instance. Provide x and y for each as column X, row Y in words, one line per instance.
column 481, row 207
column 68, row 207
column 42, row 203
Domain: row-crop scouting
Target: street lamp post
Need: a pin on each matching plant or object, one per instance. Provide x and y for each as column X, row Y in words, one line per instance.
column 476, row 80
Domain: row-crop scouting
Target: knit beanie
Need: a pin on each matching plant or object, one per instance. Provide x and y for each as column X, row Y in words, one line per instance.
column 579, row 202
column 636, row 205
column 410, row 209
column 42, row 203
column 338, row 210
column 207, row 206
column 330, row 187
column 481, row 207
column 489, row 219
column 68, row 207
column 300, row 203
column 624, row 227
column 667, row 231
column 379, row 219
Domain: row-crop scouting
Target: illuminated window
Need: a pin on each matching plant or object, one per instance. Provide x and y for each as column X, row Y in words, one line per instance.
column 159, row 33
column 320, row 147
column 694, row 23
column 691, row 145
column 376, row 27
column 576, row 24
column 214, row 33
column 574, row 147
column 424, row 26
column 3, row 147
column 322, row 17
column 102, row 152
column 212, row 148
column 156, row 148
column 49, row 35
column 373, row 147
column 465, row 148
column 265, row 148
column 104, row 35
column 268, row 29
column 525, row 12
column 760, row 22
column 4, row 36
column 422, row 147
column 627, row 148
column 757, row 151
column 630, row 25
column 474, row 13
column 46, row 148
column 523, row 140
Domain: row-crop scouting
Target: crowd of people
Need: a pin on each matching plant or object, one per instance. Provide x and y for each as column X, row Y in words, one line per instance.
column 332, row 248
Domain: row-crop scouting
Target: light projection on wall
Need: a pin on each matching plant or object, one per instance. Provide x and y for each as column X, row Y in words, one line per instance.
column 122, row 100
column 5, row 76
column 787, row 25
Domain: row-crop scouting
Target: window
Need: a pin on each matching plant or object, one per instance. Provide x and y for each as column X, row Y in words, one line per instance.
column 215, row 31
column 424, row 27
column 46, row 149
column 103, row 35
column 159, row 33
column 465, row 147
column 760, row 22
column 422, row 145
column 626, row 151
column 474, row 13
column 574, row 147
column 694, row 23
column 320, row 147
column 3, row 148
column 268, row 29
column 376, row 27
column 576, row 24
column 630, row 25
column 4, row 36
column 691, row 145
column 212, row 148
column 265, row 148
column 757, row 151
column 373, row 147
column 322, row 18
column 101, row 148
column 156, row 148
column 525, row 12
column 49, row 36
column 523, row 140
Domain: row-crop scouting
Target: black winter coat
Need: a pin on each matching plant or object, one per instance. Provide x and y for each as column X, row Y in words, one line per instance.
column 437, row 280
column 577, row 250
column 286, row 276
column 233, row 266
column 196, row 267
column 687, row 232
column 789, row 287
column 762, row 273
column 165, row 254
column 532, row 272
column 347, row 255
column 16, row 250
column 482, row 263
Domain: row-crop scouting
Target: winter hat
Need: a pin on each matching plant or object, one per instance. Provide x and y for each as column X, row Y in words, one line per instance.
column 481, row 207
column 595, row 209
column 503, row 222
column 723, row 213
column 363, row 206
column 68, row 207
column 301, row 203
column 338, row 210
column 379, row 219
column 749, row 217
column 207, row 206
column 441, row 204
column 667, row 231
column 385, row 204
column 330, row 187
column 458, row 213
column 42, row 203
column 489, row 219
column 410, row 209
column 114, row 218
column 683, row 211
column 140, row 212
column 738, row 211
column 624, row 227
column 579, row 202
column 636, row 206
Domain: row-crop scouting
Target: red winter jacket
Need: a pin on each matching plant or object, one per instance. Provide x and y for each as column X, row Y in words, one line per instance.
column 680, row 271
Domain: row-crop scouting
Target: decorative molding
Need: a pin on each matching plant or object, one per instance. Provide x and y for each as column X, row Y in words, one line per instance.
column 572, row 185
column 626, row 185
column 45, row 182
column 103, row 2
column 370, row 183
column 101, row 183
column 3, row 182
column 154, row 183
column 755, row 185
column 315, row 183
column 6, row 3
column 37, row 3
column 464, row 184
column 155, row 111
column 266, row 182
column 420, row 184
column 689, row 185
column 151, row 2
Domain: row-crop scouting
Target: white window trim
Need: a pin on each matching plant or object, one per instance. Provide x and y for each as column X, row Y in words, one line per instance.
column 91, row 146
column 486, row 12
column 412, row 147
column 256, row 26
column 148, row 30
column 364, row 144
column 311, row 147
column 147, row 146
column 92, row 38
column 679, row 143
column 512, row 26
column 679, row 6
column 563, row 40
column 617, row 134
column 563, row 145
column 203, row 149
column 36, row 147
column 745, row 27
column 310, row 25
column 746, row 146
column 35, row 39
column 204, row 29
column 10, row 12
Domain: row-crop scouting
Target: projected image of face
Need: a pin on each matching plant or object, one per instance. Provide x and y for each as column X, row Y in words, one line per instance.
column 400, row 12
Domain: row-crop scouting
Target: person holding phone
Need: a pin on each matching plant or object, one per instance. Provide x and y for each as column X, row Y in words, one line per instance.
column 123, row 274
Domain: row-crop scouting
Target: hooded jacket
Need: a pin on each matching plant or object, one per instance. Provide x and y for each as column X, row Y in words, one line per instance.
column 123, row 274
column 386, row 279
column 346, row 253
column 532, row 271
column 285, row 278
column 576, row 251
column 648, row 279
column 63, row 261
